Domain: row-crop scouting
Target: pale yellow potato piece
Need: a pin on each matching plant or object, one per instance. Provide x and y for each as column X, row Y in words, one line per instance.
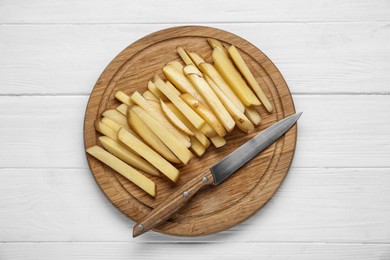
column 124, row 169
column 105, row 130
column 205, row 113
column 150, row 138
column 174, row 119
column 218, row 141
column 148, row 154
column 214, row 43
column 176, row 64
column 183, row 55
column 243, row 68
column 146, row 105
column 149, row 96
column 209, row 70
column 253, row 115
column 122, row 108
column 195, row 57
column 123, row 97
column 158, row 82
column 159, row 95
column 181, row 82
column 190, row 114
column 165, row 136
column 198, row 133
column 242, row 122
column 169, row 84
column 208, row 131
column 118, row 117
column 232, row 76
column 197, row 147
column 127, row 156
column 212, row 100
column 111, row 124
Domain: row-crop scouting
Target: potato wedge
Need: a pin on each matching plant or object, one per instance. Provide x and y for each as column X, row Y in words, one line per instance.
column 123, row 153
column 232, row 76
column 218, row 141
column 124, row 169
column 149, row 154
column 165, row 136
column 212, row 100
column 209, row 70
column 149, row 96
column 205, row 113
column 214, row 43
column 150, row 137
column 190, row 114
column 152, row 88
column 174, row 119
column 118, row 117
column 122, row 108
column 176, row 64
column 253, row 115
column 123, row 97
column 105, row 130
column 196, row 57
column 243, row 68
column 242, row 122
column 183, row 55
column 160, row 117
column 198, row 134
column 197, row 147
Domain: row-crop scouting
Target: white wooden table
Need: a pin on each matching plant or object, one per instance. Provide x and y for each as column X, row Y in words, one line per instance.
column 335, row 57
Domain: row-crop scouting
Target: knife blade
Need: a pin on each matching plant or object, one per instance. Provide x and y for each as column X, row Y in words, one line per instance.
column 216, row 174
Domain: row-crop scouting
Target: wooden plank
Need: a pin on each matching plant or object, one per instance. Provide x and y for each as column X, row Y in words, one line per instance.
column 121, row 11
column 318, row 205
column 334, row 131
column 126, row 250
column 325, row 58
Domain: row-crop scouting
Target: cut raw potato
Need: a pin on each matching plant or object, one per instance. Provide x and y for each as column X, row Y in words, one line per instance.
column 176, row 64
column 105, row 130
column 150, row 137
column 183, row 55
column 190, row 114
column 111, row 124
column 196, row 57
column 118, row 117
column 149, row 96
column 148, row 154
column 158, row 82
column 208, row 131
column 205, row 113
column 209, row 70
column 152, row 88
column 243, row 68
column 218, row 141
column 174, row 119
column 239, row 118
column 123, row 97
column 124, row 169
column 214, row 43
column 253, row 115
column 226, row 68
column 127, row 156
column 122, row 108
column 165, row 136
column 170, row 85
column 191, row 69
column 212, row 100
column 146, row 105
column 197, row 147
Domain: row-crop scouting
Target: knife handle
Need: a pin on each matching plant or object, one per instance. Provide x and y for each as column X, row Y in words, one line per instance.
column 171, row 204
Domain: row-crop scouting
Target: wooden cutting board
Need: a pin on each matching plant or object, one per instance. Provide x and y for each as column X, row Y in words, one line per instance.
column 216, row 208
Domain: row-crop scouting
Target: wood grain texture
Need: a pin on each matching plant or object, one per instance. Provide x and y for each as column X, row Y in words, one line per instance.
column 121, row 11
column 317, row 58
column 214, row 209
column 312, row 205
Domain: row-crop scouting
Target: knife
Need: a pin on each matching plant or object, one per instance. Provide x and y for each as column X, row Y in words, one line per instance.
column 217, row 174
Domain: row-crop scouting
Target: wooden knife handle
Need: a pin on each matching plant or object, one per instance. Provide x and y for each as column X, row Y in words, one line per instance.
column 173, row 203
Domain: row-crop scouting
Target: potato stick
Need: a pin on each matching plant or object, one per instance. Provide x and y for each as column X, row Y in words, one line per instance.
column 105, row 130
column 183, row 55
column 148, row 154
column 158, row 82
column 149, row 96
column 165, row 136
column 197, row 147
column 208, row 131
column 214, row 43
column 123, row 153
column 218, row 141
column 233, row 77
column 209, row 70
column 196, row 57
column 241, row 120
column 174, row 119
column 152, row 88
column 243, row 68
column 253, row 115
column 170, row 85
column 111, row 124
column 140, row 101
column 150, row 138
column 190, row 114
column 124, row 169
column 123, row 97
column 181, row 82
column 176, row 64
column 118, row 117
column 198, row 134
column 122, row 108
column 205, row 113
column 212, row 100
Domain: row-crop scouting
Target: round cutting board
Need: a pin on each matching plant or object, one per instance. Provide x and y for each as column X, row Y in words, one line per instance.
column 216, row 208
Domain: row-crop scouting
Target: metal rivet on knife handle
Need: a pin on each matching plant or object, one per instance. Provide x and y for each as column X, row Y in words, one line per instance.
column 185, row 194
